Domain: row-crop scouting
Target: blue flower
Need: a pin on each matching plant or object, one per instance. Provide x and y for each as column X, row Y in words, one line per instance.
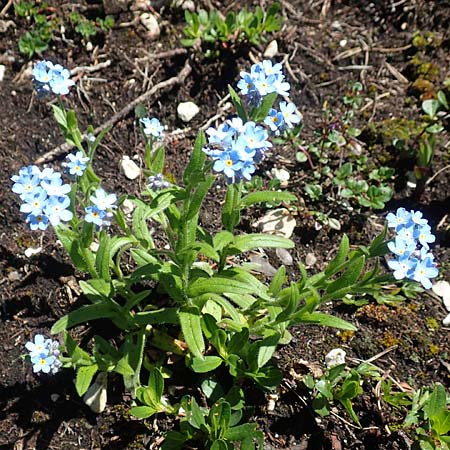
column 55, row 187
column 49, row 77
column 157, row 182
column 37, row 222
column 25, row 183
column 275, row 121
column 103, row 200
column 77, row 163
column 423, row 271
column 44, row 354
column 402, row 247
column 228, row 163
column 95, row 215
column 38, row 346
column 289, row 113
column 56, row 210
column 152, row 127
column 424, row 236
column 35, row 202
column 398, row 220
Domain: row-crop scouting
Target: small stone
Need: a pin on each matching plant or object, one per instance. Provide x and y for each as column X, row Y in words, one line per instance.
column 127, row 206
column 187, row 111
column 89, row 46
column 130, row 169
column 94, row 247
column 151, row 23
column 14, row 276
column 54, row 397
column 271, row 50
column 141, row 5
column 2, row 72
column 30, row 251
column 277, row 221
column 442, row 289
column 285, row 256
column 96, row 395
column 272, row 402
column 310, row 260
column 335, row 357
column 343, row 42
column 282, row 175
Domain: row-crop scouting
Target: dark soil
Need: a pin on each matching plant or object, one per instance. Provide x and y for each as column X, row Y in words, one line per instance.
column 42, row 412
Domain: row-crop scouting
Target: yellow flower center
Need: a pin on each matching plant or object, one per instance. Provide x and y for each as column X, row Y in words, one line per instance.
column 229, row 162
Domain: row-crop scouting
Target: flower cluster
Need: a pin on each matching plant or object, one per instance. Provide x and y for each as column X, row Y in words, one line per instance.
column 44, row 354
column 264, row 78
column 44, row 196
column 76, row 164
column 152, row 127
column 235, row 147
column 100, row 212
column 49, row 77
column 157, row 182
column 411, row 246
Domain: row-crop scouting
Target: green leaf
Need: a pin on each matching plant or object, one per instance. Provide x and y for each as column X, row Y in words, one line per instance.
column 340, row 257
column 222, row 239
column 159, row 316
column 206, row 364
column 84, row 378
column 192, row 330
column 143, row 412
column 158, row 160
column 103, row 256
column 338, row 288
column 96, row 289
column 197, row 161
column 437, row 401
column 156, row 386
column 277, row 281
column 219, row 444
column 260, row 113
column 219, row 417
column 218, row 285
column 82, row 315
column 60, row 116
column 194, row 414
column 267, row 197
column 267, row 348
column 237, row 103
column 142, row 257
column 247, row 242
column 323, row 320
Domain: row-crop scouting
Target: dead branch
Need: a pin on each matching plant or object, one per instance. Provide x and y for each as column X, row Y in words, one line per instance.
column 179, row 79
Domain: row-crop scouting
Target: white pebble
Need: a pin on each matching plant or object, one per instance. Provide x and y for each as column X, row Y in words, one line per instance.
column 151, row 23
column 2, row 72
column 187, row 111
column 130, row 168
column 271, row 50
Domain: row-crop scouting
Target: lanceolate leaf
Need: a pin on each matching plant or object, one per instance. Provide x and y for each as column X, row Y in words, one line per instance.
column 218, row 285
column 192, row 330
column 340, row 257
column 237, row 103
column 84, row 314
column 206, row 364
column 84, row 378
column 103, row 256
column 322, row 319
column 197, row 159
column 338, row 287
column 248, row 242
